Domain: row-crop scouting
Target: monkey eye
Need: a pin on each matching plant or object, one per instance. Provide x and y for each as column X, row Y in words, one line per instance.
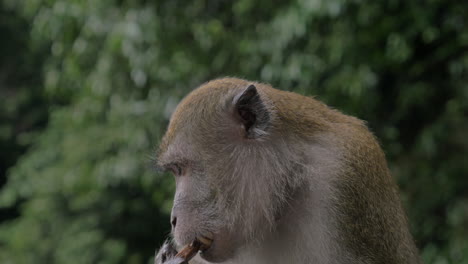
column 175, row 168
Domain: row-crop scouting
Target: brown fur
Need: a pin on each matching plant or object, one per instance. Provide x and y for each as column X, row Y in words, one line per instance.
column 313, row 187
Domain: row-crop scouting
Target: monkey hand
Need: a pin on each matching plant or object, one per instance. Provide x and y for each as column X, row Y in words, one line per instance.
column 167, row 255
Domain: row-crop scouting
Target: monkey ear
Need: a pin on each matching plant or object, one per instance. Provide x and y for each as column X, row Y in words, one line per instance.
column 252, row 112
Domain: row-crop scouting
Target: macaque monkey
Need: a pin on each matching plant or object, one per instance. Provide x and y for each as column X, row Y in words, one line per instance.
column 268, row 176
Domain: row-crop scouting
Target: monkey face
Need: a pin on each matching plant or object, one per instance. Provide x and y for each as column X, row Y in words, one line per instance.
column 206, row 200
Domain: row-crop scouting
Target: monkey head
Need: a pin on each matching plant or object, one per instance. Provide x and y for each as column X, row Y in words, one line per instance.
column 232, row 166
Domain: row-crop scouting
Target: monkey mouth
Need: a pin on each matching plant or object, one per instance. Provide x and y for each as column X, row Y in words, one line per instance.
column 205, row 241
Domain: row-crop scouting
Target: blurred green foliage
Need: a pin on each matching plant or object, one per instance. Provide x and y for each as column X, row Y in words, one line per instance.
column 106, row 74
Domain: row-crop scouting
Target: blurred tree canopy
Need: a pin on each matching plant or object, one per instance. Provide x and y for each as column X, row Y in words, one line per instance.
column 88, row 88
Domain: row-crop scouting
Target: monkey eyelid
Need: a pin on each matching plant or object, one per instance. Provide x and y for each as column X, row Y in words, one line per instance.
column 175, row 168
column 172, row 167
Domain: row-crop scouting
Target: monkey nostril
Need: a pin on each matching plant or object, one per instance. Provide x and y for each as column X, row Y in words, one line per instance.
column 174, row 222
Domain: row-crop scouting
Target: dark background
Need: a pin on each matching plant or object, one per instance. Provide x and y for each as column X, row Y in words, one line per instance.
column 87, row 88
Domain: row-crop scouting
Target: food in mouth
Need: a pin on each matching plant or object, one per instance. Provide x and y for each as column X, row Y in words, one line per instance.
column 201, row 243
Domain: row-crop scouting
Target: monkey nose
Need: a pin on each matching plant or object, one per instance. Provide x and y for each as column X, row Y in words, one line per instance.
column 174, row 221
